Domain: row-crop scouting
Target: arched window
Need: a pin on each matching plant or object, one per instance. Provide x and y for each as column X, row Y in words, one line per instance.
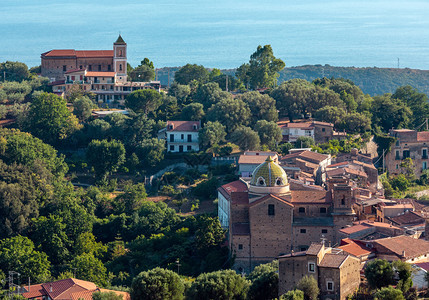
column 120, row 53
column 279, row 181
column 261, row 181
column 120, row 67
column 343, row 201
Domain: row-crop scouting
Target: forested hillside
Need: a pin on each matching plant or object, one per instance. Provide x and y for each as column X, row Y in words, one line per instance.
column 373, row 81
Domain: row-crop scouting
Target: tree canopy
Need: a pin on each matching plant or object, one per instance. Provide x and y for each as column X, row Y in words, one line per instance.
column 190, row 72
column 262, row 69
column 49, row 118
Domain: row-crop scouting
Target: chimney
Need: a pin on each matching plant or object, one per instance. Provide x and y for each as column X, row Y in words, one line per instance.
column 403, row 253
column 50, row 288
column 28, row 284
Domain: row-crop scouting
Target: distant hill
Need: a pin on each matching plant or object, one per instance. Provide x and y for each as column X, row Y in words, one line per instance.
column 373, row 81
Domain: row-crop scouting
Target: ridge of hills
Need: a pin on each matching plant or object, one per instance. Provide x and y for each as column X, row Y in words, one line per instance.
column 372, row 80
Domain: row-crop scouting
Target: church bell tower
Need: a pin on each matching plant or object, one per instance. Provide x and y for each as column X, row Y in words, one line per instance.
column 120, row 59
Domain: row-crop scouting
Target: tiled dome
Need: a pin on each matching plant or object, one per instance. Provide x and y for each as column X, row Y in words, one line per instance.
column 269, row 174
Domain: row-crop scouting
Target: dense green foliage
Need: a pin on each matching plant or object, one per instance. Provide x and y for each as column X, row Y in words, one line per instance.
column 308, row 284
column 373, row 81
column 157, row 284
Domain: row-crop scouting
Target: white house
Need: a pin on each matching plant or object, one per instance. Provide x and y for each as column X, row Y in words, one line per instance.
column 181, row 136
column 292, row 131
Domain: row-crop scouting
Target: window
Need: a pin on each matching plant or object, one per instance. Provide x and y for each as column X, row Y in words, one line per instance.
column 182, row 136
column 80, row 67
column 397, row 142
column 397, row 157
column 171, row 147
column 120, row 67
column 189, row 138
column 120, row 53
column 425, row 153
column 323, row 210
column 406, row 154
column 324, row 230
column 240, row 246
column 260, row 181
column 323, row 129
column 171, row 137
column 425, row 165
column 311, row 267
column 189, row 148
column 271, row 209
column 301, row 210
column 279, row 181
column 303, row 230
column 330, row 285
column 397, row 166
column 109, row 68
column 81, row 77
column 343, row 201
column 64, row 68
column 89, row 68
column 99, row 67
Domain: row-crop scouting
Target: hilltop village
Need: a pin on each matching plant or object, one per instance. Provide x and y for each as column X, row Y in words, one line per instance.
column 115, row 186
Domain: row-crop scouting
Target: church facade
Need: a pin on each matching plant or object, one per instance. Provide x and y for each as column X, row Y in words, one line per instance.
column 266, row 217
column 101, row 72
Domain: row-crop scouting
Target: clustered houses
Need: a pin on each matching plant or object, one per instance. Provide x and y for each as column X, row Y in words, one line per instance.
column 269, row 216
column 102, row 72
column 408, row 144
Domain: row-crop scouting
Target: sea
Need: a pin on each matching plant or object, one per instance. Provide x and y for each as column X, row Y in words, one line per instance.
column 223, row 33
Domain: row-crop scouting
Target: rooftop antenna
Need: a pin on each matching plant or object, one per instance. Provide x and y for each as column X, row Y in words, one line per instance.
column 398, row 62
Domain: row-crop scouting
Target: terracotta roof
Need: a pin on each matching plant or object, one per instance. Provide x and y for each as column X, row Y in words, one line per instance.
column 343, row 171
column 314, row 248
column 423, row 136
column 307, row 155
column 424, row 266
column 338, row 164
column 78, row 53
column 331, row 260
column 303, row 125
column 308, row 164
column 183, row 125
column 307, row 196
column 36, row 290
column 63, row 52
column 399, row 244
column 354, row 229
column 252, row 159
column 408, row 218
column 100, row 74
column 240, row 228
column 58, row 82
column 125, row 295
column 349, row 246
column 323, row 123
column 270, row 196
column 234, row 187
column 83, row 295
column 68, row 286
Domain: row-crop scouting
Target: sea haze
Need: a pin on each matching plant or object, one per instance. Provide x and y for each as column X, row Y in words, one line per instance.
column 223, row 33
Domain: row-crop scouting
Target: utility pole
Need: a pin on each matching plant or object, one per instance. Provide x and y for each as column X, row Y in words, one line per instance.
column 226, row 83
column 398, row 62
column 178, row 266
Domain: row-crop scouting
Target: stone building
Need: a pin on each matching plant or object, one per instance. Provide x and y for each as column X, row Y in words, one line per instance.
column 409, row 143
column 265, row 218
column 336, row 272
column 56, row 63
column 101, row 72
